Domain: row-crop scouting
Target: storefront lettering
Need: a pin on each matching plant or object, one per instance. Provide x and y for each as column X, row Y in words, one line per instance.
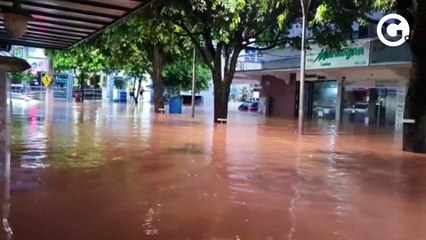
column 348, row 53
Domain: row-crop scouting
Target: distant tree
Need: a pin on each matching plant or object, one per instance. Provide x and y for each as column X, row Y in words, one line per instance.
column 124, row 49
column 178, row 75
column 145, row 43
column 83, row 60
column 21, row 77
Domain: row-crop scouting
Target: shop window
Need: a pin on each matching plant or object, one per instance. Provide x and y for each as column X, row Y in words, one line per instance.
column 324, row 99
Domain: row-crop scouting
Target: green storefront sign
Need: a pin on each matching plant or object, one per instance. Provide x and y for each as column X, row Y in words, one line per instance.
column 347, row 53
column 353, row 56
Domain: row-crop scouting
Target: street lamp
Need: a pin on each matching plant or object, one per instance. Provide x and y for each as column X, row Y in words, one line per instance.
column 305, row 8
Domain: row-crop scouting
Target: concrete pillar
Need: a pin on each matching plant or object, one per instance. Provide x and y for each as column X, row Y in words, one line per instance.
column 400, row 101
column 340, row 100
column 49, row 92
column 373, row 97
column 110, row 87
column 4, row 126
column 70, row 85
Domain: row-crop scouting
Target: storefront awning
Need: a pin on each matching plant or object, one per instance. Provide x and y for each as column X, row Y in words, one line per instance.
column 367, row 75
column 59, row 24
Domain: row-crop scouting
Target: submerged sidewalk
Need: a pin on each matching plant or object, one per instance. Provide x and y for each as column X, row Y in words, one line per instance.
column 110, row 171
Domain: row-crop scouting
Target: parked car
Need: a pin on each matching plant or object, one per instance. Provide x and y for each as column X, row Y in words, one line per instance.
column 20, row 98
column 357, row 112
column 328, row 112
column 360, row 107
column 249, row 106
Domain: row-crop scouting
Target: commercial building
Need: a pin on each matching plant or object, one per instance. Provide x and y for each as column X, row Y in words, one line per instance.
column 364, row 82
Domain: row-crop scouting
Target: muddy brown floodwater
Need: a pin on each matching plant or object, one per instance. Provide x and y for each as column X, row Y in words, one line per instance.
column 113, row 172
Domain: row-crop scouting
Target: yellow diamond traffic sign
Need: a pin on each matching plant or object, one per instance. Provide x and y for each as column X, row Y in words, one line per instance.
column 47, row 80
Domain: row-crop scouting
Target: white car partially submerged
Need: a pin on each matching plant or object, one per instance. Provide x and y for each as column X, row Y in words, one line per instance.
column 21, row 98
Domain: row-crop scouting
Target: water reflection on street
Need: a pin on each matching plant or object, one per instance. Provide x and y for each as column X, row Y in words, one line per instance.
column 114, row 171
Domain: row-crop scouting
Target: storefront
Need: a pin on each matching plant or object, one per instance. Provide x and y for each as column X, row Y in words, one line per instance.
column 364, row 83
column 378, row 101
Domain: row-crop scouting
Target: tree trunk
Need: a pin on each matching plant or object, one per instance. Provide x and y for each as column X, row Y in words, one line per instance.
column 221, row 97
column 414, row 134
column 222, row 86
column 82, row 92
column 138, row 90
column 135, row 91
column 136, row 99
column 414, row 138
column 82, row 78
column 157, row 79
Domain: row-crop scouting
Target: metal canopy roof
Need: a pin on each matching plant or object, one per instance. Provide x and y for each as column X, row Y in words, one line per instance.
column 59, row 24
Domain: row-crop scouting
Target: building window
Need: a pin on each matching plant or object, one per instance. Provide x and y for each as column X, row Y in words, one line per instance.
column 363, row 32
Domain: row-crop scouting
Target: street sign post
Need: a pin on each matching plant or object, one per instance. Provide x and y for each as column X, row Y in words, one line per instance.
column 47, row 80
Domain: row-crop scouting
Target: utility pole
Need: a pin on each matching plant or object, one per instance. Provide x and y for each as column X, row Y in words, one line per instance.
column 194, row 77
column 305, row 8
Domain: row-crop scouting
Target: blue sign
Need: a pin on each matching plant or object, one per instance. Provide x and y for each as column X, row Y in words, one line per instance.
column 63, row 83
column 252, row 56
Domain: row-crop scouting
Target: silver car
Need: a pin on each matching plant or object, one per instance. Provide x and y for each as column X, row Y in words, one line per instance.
column 21, row 98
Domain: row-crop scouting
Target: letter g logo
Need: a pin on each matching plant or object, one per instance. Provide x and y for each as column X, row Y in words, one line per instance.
column 393, row 30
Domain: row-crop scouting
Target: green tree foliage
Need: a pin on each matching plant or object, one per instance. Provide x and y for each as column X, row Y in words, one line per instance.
column 331, row 21
column 145, row 43
column 21, row 77
column 223, row 28
column 84, row 61
column 179, row 74
column 125, row 49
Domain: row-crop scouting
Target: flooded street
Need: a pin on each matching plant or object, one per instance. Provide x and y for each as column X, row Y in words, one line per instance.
column 112, row 171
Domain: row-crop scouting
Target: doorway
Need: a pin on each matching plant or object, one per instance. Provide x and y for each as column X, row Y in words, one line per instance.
column 320, row 100
column 370, row 106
